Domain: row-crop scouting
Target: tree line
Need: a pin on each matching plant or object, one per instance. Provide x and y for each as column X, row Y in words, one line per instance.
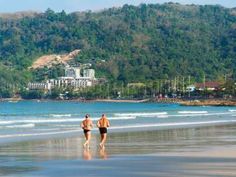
column 138, row 43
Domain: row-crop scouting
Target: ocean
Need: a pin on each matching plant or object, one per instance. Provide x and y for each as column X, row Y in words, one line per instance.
column 29, row 120
column 145, row 139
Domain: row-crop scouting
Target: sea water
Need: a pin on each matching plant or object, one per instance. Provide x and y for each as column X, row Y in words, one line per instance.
column 31, row 119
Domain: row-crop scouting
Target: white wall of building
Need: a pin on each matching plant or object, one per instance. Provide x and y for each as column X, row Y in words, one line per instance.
column 72, row 79
column 72, row 72
column 89, row 73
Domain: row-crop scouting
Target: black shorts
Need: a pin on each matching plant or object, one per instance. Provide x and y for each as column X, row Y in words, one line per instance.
column 103, row 130
column 86, row 131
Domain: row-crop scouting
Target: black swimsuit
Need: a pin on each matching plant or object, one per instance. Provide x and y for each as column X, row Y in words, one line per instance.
column 86, row 131
column 103, row 130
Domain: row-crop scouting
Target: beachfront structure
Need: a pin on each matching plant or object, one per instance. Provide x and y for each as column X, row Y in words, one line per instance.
column 39, row 86
column 75, row 83
column 89, row 73
column 211, row 86
column 190, row 88
column 72, row 79
column 72, row 72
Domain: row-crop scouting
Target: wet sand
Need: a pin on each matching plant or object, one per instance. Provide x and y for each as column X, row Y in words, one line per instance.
column 207, row 151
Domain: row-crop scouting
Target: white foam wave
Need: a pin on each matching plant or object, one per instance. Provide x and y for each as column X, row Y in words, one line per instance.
column 115, row 118
column 204, row 114
column 174, row 124
column 6, row 122
column 60, row 115
column 40, row 121
column 123, row 127
column 39, row 134
column 232, row 110
column 163, row 116
column 21, row 126
column 31, row 121
column 192, row 112
column 122, row 118
column 141, row 114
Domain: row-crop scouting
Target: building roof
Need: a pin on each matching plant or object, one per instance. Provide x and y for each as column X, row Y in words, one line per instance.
column 211, row 84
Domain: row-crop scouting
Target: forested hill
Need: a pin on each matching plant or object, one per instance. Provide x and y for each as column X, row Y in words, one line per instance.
column 139, row 43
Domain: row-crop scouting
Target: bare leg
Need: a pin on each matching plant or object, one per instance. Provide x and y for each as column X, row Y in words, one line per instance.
column 87, row 137
column 103, row 140
column 86, row 142
column 102, row 136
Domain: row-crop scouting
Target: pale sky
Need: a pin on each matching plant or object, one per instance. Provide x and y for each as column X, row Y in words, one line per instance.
column 94, row 5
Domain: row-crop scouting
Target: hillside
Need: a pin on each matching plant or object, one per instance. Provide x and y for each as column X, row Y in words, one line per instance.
column 18, row 15
column 142, row 43
column 50, row 60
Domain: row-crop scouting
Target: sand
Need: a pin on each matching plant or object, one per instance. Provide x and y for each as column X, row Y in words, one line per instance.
column 208, row 151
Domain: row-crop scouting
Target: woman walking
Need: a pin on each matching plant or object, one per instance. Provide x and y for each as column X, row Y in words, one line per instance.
column 102, row 124
column 87, row 126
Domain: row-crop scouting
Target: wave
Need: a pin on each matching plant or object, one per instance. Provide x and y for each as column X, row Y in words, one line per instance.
column 141, row 114
column 40, row 121
column 199, row 115
column 6, row 122
column 35, row 115
column 174, row 124
column 123, row 127
column 163, row 116
column 192, row 112
column 39, row 134
column 60, row 115
column 28, row 121
column 21, row 126
column 122, row 118
column 232, row 110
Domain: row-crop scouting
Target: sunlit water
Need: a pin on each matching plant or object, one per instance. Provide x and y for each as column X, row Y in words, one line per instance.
column 143, row 140
column 31, row 119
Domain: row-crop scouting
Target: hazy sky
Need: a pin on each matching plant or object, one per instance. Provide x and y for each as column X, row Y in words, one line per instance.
column 82, row 5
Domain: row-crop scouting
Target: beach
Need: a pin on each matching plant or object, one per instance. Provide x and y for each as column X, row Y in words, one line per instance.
column 206, row 151
column 44, row 139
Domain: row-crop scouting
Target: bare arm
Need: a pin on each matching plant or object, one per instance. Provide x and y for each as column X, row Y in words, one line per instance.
column 82, row 125
column 91, row 124
column 98, row 124
column 108, row 123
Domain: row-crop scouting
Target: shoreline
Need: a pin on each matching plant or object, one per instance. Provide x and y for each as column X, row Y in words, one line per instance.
column 205, row 102
column 121, row 101
column 183, row 152
column 78, row 100
column 208, row 102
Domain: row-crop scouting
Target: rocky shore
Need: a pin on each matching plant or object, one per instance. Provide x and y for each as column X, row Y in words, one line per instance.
column 208, row 102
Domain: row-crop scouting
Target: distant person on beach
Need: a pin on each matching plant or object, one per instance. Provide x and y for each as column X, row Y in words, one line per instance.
column 102, row 124
column 87, row 126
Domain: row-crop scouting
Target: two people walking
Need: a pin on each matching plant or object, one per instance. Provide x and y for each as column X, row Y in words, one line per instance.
column 87, row 126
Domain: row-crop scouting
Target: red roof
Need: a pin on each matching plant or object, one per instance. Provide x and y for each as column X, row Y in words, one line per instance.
column 208, row 85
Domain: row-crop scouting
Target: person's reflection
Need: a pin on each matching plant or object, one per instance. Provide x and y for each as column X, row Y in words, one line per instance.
column 103, row 153
column 87, row 154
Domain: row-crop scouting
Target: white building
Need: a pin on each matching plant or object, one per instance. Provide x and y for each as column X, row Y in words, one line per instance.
column 39, row 86
column 76, row 83
column 72, row 79
column 190, row 88
column 72, row 72
column 89, row 73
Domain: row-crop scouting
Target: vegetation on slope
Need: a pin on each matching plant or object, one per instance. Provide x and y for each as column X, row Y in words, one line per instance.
column 139, row 44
